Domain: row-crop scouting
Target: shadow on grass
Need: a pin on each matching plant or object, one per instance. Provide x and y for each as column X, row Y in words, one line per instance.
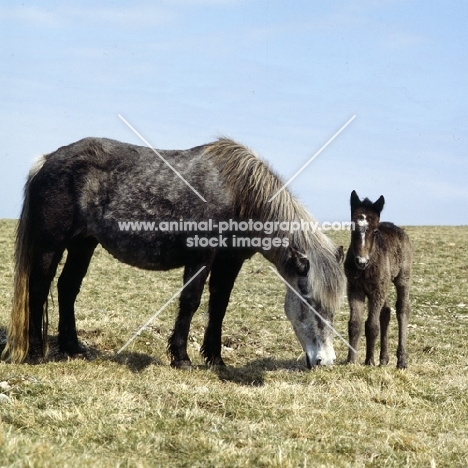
column 54, row 354
column 136, row 362
column 253, row 373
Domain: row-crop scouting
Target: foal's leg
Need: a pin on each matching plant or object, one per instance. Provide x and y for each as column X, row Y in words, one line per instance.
column 43, row 269
column 188, row 304
column 372, row 326
column 403, row 312
column 223, row 274
column 79, row 255
column 384, row 321
column 356, row 299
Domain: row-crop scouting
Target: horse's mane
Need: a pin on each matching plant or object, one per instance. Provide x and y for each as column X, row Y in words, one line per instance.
column 253, row 183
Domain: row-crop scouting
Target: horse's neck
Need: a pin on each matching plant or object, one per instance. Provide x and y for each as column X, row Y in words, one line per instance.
column 275, row 255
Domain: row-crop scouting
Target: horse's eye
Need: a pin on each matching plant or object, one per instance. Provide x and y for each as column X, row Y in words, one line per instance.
column 303, row 285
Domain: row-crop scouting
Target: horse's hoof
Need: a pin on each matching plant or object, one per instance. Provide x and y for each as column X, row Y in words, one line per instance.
column 84, row 355
column 215, row 362
column 401, row 365
column 351, row 358
column 73, row 349
column 35, row 357
column 183, row 364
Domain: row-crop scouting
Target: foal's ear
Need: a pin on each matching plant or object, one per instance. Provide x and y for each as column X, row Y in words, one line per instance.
column 297, row 262
column 379, row 204
column 355, row 201
column 339, row 254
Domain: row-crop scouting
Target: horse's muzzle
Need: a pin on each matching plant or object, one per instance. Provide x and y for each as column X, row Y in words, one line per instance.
column 318, row 362
column 361, row 262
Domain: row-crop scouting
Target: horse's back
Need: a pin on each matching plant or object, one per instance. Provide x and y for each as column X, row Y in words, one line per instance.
column 118, row 157
column 393, row 234
column 92, row 185
column 397, row 245
column 119, row 180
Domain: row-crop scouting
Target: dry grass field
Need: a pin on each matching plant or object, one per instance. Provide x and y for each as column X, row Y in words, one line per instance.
column 265, row 409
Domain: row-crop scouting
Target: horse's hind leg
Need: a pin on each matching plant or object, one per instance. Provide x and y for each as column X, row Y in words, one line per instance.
column 224, row 272
column 384, row 321
column 43, row 269
column 188, row 304
column 79, row 255
column 403, row 312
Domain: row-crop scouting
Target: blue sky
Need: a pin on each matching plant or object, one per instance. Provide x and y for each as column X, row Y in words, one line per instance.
column 279, row 76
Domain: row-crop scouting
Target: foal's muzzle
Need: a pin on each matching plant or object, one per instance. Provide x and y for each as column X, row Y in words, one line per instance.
column 361, row 262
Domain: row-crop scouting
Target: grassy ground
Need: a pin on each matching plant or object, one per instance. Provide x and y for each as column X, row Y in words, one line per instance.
column 265, row 409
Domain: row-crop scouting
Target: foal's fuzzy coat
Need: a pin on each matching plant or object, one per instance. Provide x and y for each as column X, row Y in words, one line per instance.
column 379, row 254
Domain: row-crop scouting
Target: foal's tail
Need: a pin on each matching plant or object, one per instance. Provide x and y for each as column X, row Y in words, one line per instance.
column 17, row 345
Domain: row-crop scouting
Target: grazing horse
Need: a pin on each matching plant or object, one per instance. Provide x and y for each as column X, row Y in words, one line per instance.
column 379, row 253
column 82, row 194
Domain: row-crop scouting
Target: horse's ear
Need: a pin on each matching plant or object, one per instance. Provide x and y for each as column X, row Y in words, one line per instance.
column 298, row 262
column 355, row 201
column 339, row 254
column 379, row 204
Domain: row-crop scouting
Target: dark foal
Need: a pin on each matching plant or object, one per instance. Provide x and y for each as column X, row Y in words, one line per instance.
column 379, row 254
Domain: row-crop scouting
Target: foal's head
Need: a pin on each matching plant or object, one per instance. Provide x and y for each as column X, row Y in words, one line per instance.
column 365, row 217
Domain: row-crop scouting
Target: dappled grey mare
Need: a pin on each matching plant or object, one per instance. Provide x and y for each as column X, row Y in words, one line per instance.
column 76, row 197
column 379, row 254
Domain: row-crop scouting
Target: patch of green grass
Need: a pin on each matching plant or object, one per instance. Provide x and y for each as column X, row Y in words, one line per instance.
column 264, row 409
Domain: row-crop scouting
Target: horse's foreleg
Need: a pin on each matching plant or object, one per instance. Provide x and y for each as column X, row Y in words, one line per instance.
column 356, row 300
column 188, row 304
column 223, row 274
column 403, row 312
column 372, row 327
column 384, row 321
column 79, row 255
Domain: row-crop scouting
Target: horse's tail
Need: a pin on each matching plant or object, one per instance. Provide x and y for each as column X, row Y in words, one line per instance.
column 17, row 345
